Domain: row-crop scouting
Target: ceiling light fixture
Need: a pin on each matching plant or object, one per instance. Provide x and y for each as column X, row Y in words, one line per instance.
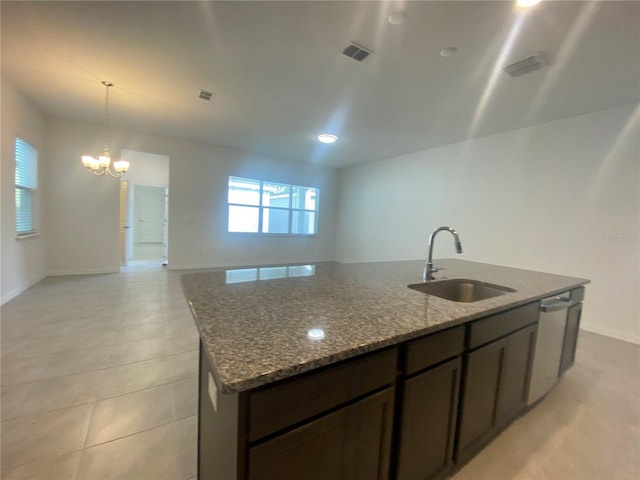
column 327, row 138
column 448, row 51
column 527, row 3
column 100, row 166
column 397, row 18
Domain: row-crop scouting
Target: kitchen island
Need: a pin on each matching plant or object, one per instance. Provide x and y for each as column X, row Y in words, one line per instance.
column 341, row 371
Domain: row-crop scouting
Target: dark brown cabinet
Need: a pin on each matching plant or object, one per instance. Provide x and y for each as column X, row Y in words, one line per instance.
column 494, row 389
column 516, row 371
column 479, row 398
column 281, row 406
column 415, row 411
column 429, row 411
column 332, row 423
column 570, row 341
column 351, row 443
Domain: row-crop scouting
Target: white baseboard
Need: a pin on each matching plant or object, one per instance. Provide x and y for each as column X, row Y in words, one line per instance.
column 17, row 291
column 611, row 333
column 201, row 266
column 89, row 271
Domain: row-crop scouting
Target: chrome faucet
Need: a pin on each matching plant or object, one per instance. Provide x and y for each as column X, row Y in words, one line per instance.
column 429, row 269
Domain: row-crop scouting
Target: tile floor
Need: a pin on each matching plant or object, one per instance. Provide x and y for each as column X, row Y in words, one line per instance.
column 99, row 382
column 99, row 379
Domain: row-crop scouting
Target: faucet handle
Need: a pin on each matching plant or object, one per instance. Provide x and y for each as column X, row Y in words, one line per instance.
column 429, row 270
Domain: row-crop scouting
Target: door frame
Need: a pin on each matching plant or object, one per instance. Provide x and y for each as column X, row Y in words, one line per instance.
column 125, row 227
column 165, row 227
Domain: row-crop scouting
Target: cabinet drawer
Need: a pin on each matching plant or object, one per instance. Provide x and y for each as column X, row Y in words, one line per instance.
column 496, row 326
column 293, row 401
column 427, row 351
column 351, row 443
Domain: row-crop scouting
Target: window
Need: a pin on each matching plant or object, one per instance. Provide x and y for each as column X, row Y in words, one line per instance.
column 26, row 187
column 257, row 206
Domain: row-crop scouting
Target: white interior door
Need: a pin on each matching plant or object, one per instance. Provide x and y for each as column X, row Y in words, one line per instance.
column 124, row 224
column 149, row 206
column 165, row 228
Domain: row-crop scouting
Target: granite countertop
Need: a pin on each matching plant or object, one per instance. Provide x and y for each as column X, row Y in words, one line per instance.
column 259, row 331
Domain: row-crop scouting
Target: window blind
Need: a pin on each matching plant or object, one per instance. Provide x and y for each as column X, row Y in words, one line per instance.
column 26, row 184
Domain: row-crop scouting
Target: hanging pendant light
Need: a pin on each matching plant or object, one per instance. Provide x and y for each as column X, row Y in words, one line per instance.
column 101, row 165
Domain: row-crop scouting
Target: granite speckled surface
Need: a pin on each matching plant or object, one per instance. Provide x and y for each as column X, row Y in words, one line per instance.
column 259, row 331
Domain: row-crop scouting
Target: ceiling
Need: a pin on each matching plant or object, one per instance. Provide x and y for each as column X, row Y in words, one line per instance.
column 279, row 76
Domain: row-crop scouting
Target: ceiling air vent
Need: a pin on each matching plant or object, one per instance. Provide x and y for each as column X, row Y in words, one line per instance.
column 205, row 95
column 526, row 65
column 356, row 52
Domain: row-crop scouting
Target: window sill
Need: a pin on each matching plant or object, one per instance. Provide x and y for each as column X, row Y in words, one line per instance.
column 28, row 235
column 265, row 235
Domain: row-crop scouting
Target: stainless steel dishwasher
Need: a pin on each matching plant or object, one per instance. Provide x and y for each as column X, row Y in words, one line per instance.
column 549, row 342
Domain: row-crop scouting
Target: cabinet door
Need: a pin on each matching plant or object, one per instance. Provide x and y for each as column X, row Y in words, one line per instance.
column 351, row 443
column 515, row 375
column 570, row 337
column 495, row 389
column 479, row 398
column 429, row 411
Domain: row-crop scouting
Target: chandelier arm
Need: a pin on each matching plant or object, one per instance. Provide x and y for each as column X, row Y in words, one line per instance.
column 114, row 175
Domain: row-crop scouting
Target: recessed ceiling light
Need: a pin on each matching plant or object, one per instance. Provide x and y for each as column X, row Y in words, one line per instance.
column 397, row 18
column 527, row 3
column 448, row 51
column 327, row 138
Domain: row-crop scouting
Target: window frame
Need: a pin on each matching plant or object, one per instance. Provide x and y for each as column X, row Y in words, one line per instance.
column 261, row 208
column 28, row 191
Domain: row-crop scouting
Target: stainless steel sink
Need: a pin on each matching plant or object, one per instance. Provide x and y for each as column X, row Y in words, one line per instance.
column 459, row 290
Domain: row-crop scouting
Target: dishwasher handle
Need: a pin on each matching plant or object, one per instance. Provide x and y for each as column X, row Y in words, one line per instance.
column 555, row 304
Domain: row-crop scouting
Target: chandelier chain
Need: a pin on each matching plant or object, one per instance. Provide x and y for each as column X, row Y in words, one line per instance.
column 102, row 165
column 106, row 119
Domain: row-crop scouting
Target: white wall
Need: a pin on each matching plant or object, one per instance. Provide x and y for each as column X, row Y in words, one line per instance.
column 146, row 168
column 22, row 261
column 83, row 209
column 562, row 197
column 198, row 212
column 84, row 237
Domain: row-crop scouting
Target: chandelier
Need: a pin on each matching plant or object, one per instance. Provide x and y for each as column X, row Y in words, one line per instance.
column 101, row 165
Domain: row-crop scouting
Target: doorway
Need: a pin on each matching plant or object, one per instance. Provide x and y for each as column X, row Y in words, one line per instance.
column 124, row 221
column 144, row 207
column 149, row 220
